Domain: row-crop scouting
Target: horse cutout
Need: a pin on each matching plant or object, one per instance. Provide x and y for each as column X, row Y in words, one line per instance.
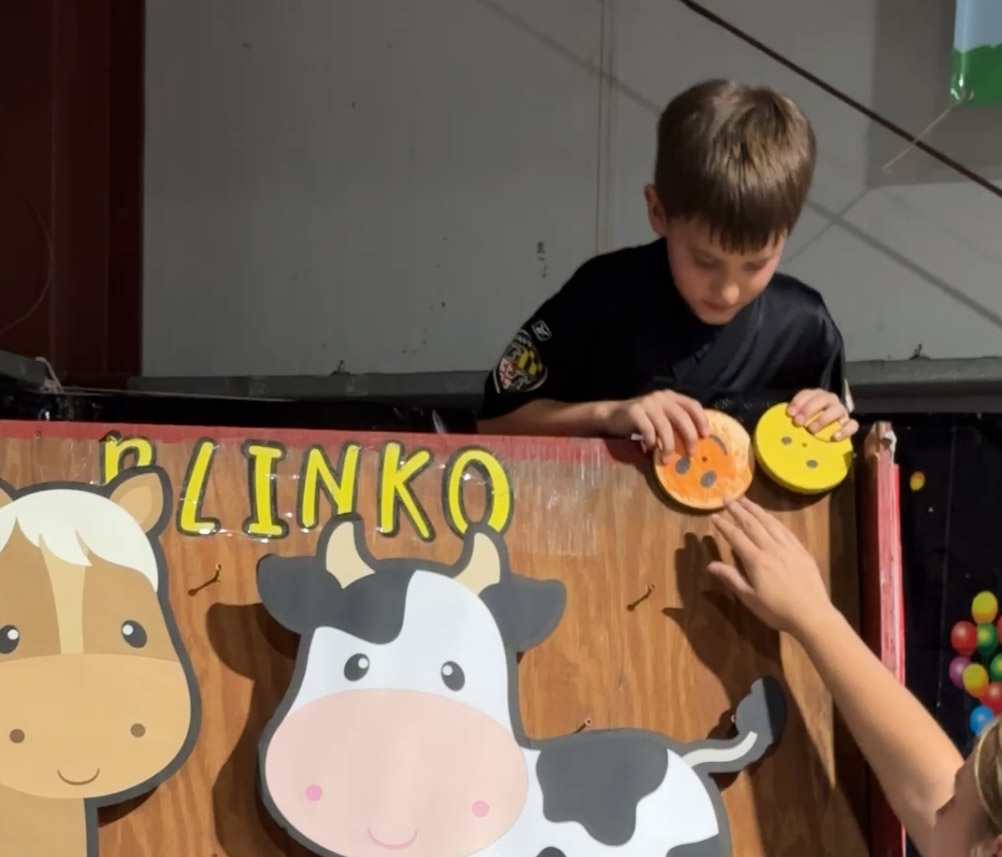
column 400, row 730
column 100, row 703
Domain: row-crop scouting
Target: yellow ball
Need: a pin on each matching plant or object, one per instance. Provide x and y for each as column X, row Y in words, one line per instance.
column 975, row 680
column 798, row 460
column 984, row 608
column 917, row 482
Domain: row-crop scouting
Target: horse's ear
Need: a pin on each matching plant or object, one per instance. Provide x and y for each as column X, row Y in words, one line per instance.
column 141, row 494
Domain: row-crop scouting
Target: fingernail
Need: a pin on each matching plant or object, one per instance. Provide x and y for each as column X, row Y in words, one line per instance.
column 815, row 426
column 799, row 420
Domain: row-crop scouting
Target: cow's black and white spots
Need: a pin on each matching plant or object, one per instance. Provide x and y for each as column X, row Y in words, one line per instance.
column 400, row 730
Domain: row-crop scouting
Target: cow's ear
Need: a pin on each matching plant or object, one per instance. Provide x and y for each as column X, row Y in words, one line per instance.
column 344, row 553
column 528, row 611
column 295, row 591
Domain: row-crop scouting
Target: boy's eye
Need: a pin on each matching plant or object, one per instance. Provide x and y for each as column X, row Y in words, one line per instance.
column 753, row 267
column 708, row 264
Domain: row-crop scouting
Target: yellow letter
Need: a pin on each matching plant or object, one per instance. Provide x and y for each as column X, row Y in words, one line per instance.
column 114, row 448
column 193, row 493
column 393, row 487
column 264, row 520
column 496, row 483
column 318, row 473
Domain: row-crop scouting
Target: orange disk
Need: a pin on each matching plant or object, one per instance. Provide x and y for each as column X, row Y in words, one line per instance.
column 722, row 467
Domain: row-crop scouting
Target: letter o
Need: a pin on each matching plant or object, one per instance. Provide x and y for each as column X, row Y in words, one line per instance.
column 500, row 503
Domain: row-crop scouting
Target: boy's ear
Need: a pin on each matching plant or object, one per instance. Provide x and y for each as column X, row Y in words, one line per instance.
column 655, row 212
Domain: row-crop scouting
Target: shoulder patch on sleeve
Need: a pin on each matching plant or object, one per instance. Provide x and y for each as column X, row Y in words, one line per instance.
column 521, row 368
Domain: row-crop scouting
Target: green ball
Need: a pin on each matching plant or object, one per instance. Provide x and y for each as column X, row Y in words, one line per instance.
column 995, row 669
column 988, row 639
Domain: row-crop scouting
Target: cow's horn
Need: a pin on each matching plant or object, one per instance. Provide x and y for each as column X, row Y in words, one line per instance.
column 342, row 558
column 483, row 568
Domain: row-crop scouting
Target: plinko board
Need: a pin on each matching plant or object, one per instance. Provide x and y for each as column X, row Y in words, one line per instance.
column 214, row 642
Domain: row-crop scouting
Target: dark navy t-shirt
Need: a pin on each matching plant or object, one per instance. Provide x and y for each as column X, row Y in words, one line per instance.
column 619, row 329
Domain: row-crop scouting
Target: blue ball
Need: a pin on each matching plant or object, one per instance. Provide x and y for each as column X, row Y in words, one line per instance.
column 980, row 718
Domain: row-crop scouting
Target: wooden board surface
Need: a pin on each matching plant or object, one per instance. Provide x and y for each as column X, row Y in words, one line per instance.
column 582, row 511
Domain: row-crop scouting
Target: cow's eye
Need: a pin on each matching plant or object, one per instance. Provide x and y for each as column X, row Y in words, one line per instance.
column 453, row 675
column 134, row 634
column 356, row 667
column 9, row 638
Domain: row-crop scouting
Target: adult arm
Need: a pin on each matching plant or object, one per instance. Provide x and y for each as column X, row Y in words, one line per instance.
column 912, row 758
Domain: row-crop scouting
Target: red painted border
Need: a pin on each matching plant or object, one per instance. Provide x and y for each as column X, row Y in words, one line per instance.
column 554, row 450
column 882, row 587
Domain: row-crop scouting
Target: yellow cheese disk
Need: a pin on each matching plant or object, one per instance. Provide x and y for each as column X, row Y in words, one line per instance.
column 798, row 460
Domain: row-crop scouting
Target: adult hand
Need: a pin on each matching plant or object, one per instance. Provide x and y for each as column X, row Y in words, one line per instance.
column 781, row 583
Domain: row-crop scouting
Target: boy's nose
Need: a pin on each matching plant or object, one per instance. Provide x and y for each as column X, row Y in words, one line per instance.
column 728, row 293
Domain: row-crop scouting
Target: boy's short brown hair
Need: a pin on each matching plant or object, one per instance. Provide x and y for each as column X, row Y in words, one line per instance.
column 737, row 158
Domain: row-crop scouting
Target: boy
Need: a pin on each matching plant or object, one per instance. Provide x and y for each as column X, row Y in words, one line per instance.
column 638, row 341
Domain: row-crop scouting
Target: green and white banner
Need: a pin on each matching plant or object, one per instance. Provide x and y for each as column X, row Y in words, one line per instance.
column 977, row 53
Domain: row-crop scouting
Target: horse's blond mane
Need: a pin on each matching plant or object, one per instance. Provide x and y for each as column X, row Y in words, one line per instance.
column 73, row 522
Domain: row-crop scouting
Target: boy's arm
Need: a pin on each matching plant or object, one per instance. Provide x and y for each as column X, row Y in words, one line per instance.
column 832, row 373
column 539, row 383
column 546, row 383
column 824, row 394
column 550, row 417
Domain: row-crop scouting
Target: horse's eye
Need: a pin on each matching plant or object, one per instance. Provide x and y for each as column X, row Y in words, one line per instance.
column 9, row 638
column 134, row 634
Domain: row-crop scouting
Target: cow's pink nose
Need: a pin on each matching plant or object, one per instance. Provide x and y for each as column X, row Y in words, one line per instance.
column 481, row 808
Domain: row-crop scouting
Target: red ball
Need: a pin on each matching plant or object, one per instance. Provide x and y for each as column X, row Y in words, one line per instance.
column 964, row 638
column 992, row 697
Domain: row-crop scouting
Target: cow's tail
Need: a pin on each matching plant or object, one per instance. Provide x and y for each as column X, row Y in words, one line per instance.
column 760, row 719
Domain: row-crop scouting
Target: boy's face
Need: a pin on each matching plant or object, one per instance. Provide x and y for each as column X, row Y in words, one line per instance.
column 714, row 283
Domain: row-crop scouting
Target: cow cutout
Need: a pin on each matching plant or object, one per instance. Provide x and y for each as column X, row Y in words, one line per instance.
column 400, row 730
column 99, row 701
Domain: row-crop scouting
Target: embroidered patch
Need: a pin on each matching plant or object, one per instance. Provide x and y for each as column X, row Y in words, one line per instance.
column 520, row 368
column 541, row 331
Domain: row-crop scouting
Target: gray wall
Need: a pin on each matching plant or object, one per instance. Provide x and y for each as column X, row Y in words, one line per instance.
column 392, row 185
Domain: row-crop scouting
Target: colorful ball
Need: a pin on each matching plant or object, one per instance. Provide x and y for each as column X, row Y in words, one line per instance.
column 959, row 664
column 975, row 680
column 993, row 698
column 995, row 668
column 984, row 607
column 988, row 639
column 964, row 639
column 980, row 718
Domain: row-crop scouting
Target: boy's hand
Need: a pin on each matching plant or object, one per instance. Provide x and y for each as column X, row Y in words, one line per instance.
column 826, row 408
column 781, row 584
column 662, row 419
